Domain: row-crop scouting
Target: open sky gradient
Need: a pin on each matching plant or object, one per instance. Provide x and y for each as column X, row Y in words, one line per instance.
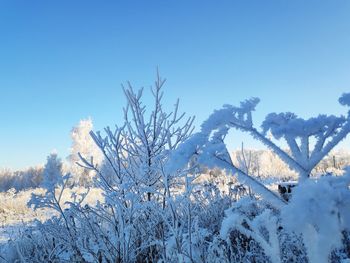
column 61, row 61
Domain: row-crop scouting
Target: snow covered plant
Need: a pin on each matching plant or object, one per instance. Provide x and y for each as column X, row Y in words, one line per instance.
column 251, row 231
column 302, row 156
column 209, row 145
column 326, row 131
column 320, row 211
column 140, row 203
column 61, row 231
column 308, row 141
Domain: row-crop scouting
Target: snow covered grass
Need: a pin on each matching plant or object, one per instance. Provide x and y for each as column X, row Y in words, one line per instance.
column 13, row 207
column 15, row 215
column 15, row 212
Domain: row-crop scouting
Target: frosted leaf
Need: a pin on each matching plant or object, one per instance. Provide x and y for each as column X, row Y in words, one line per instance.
column 249, row 104
column 345, row 99
column 289, row 124
column 230, row 115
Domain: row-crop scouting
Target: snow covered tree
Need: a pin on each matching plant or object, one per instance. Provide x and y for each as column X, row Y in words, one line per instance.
column 6, row 179
column 136, row 187
column 263, row 164
column 273, row 166
column 82, row 143
column 52, row 173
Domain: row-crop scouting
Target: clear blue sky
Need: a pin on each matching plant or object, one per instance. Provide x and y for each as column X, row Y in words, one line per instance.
column 61, row 61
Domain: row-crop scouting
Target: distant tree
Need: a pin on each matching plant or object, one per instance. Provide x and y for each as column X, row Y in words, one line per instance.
column 6, row 179
column 273, row 166
column 20, row 180
column 29, row 178
column 83, row 143
column 248, row 161
column 34, row 175
column 334, row 162
column 52, row 174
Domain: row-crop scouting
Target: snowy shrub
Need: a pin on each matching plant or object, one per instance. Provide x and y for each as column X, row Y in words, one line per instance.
column 33, row 246
column 319, row 211
column 210, row 208
column 251, row 231
column 262, row 230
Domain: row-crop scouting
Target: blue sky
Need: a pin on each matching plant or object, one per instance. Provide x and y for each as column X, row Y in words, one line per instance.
column 61, row 61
